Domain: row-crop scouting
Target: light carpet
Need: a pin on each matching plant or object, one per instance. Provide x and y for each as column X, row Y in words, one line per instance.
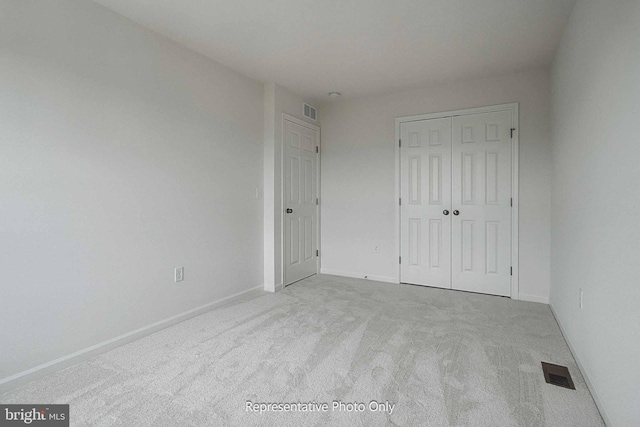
column 443, row 358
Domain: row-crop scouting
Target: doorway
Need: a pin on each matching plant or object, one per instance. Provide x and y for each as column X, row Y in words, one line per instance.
column 300, row 199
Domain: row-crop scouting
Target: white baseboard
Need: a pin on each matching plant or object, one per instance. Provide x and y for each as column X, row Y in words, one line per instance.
column 358, row 275
column 388, row 279
column 39, row 371
column 585, row 373
column 533, row 298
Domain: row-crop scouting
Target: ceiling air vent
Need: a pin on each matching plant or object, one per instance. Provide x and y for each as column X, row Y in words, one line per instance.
column 309, row 112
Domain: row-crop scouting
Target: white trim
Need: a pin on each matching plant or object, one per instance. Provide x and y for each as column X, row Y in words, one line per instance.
column 318, row 160
column 463, row 112
column 305, row 124
column 515, row 194
column 386, row 279
column 39, row 371
column 300, row 122
column 533, row 298
column 592, row 389
column 515, row 142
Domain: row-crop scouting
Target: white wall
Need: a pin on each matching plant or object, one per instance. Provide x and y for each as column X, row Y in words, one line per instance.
column 596, row 200
column 277, row 100
column 358, row 201
column 122, row 156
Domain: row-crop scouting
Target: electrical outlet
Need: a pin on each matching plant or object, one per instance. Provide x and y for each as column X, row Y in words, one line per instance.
column 376, row 248
column 179, row 274
column 581, row 305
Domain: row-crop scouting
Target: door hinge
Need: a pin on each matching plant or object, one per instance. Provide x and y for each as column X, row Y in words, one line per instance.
column 400, row 201
column 317, row 252
column 399, row 260
column 512, row 271
column 512, row 202
column 399, row 143
column 316, row 200
column 512, row 130
column 317, row 149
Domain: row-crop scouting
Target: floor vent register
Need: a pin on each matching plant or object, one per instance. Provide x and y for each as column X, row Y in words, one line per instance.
column 557, row 375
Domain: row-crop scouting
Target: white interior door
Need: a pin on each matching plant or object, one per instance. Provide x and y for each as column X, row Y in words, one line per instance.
column 426, row 202
column 481, row 197
column 455, row 213
column 300, row 193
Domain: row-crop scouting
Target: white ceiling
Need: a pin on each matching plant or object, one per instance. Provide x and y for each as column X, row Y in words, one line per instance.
column 359, row 47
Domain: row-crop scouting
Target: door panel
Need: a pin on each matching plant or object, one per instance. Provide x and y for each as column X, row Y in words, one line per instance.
column 426, row 193
column 481, row 192
column 300, row 192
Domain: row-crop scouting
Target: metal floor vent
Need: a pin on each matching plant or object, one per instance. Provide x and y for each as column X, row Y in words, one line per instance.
column 557, row 375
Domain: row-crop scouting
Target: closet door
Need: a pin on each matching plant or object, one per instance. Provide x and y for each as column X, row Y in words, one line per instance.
column 481, row 203
column 300, row 184
column 425, row 217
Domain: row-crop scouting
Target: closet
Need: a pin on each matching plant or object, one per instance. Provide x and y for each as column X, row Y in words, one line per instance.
column 456, row 201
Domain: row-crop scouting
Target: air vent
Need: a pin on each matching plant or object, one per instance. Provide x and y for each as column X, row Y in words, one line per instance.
column 309, row 112
column 557, row 375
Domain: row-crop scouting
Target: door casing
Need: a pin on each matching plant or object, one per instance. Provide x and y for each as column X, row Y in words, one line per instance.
column 293, row 119
column 513, row 107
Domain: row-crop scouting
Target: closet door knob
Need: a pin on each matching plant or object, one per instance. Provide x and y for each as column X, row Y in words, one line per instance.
column 446, row 212
column 456, row 212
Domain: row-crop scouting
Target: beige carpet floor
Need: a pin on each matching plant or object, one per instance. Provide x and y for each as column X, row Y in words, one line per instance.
column 442, row 358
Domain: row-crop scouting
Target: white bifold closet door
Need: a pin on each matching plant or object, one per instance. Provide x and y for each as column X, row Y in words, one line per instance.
column 456, row 202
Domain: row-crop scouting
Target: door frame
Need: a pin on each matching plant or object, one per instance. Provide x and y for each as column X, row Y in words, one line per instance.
column 287, row 117
column 515, row 155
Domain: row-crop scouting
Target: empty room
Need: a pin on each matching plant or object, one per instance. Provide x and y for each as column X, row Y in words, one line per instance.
column 292, row 213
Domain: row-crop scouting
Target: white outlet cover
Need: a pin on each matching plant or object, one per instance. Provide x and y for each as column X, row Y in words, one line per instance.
column 179, row 274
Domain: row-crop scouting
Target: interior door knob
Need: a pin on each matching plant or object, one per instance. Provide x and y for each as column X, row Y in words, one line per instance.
column 289, row 210
column 456, row 212
column 446, row 212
